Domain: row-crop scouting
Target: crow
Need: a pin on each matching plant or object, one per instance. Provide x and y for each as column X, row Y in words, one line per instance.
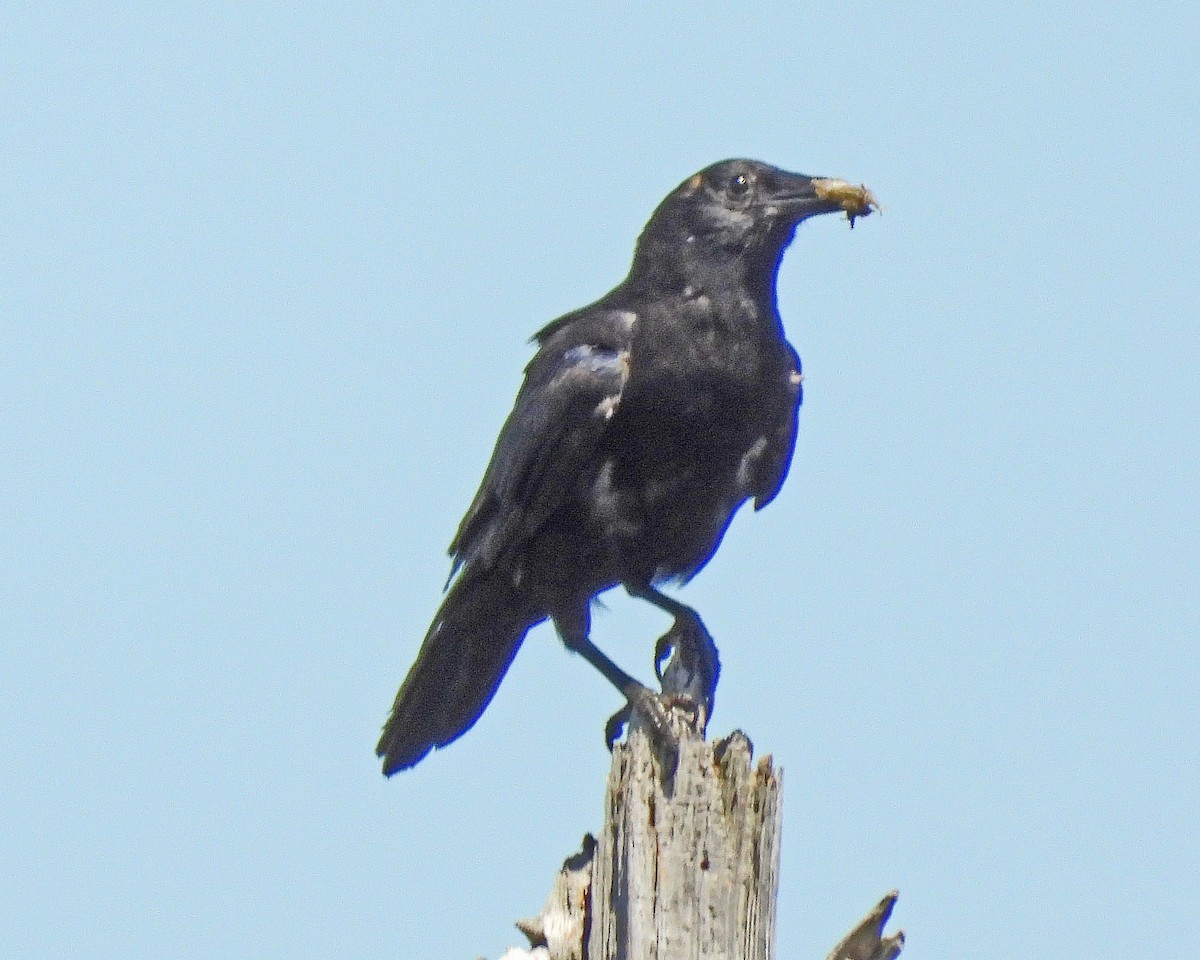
column 644, row 422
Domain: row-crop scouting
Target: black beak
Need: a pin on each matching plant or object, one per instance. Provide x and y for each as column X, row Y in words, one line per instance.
column 800, row 197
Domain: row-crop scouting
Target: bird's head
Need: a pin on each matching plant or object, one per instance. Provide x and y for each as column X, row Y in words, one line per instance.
column 744, row 211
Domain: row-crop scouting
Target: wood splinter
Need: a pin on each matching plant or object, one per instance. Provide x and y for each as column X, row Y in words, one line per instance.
column 687, row 865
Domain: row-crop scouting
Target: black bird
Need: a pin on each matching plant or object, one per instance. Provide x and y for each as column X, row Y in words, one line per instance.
column 645, row 420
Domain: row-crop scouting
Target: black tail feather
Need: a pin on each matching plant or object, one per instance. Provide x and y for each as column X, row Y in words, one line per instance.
column 465, row 655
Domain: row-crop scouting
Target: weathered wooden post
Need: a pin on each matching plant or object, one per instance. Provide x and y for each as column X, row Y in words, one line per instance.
column 685, row 866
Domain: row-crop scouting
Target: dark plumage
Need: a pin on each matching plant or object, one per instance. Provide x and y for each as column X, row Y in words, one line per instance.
column 645, row 420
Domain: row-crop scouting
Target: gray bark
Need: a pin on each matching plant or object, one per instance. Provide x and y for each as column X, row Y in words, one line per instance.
column 686, row 866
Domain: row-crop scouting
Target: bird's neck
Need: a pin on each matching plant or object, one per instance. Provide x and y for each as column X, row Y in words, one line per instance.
column 688, row 266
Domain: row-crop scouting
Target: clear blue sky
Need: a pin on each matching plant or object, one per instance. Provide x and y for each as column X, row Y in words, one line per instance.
column 267, row 273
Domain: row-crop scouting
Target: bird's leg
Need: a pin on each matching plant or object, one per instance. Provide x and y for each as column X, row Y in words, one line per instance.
column 637, row 696
column 693, row 671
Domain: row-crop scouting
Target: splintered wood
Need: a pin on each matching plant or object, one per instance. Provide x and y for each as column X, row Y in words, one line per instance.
column 857, row 201
column 686, row 866
column 692, row 859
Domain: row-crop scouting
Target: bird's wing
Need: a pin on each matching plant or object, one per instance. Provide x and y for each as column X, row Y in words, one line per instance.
column 770, row 468
column 572, row 389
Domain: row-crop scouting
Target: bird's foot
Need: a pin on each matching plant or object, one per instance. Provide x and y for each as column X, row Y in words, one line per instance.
column 616, row 726
column 651, row 709
column 691, row 675
column 666, row 718
column 663, row 648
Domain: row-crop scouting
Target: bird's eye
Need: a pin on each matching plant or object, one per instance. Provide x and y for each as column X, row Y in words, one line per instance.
column 739, row 185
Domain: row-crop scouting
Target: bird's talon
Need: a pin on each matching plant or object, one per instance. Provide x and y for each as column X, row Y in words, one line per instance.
column 697, row 709
column 616, row 726
column 662, row 650
column 653, row 711
column 682, row 701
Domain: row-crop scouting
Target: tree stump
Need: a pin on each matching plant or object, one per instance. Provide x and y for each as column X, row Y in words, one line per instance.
column 686, row 865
